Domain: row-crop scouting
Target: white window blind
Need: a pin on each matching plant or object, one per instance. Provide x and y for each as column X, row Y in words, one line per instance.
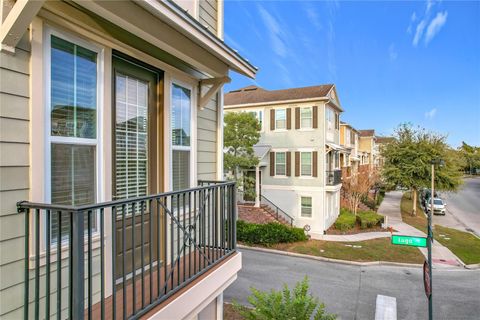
column 280, row 163
column 306, row 117
column 306, row 163
column 280, row 119
column 306, row 207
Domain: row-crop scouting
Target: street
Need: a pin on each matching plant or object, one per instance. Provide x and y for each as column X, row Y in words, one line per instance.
column 350, row 291
column 463, row 207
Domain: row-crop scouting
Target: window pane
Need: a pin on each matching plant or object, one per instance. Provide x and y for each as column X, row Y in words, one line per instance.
column 73, row 90
column 131, row 137
column 180, row 169
column 306, row 206
column 181, row 104
column 306, row 161
column 72, row 179
column 306, row 117
column 280, row 119
column 280, row 164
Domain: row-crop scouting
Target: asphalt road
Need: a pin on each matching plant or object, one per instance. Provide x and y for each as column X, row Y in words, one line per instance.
column 463, row 207
column 350, row 291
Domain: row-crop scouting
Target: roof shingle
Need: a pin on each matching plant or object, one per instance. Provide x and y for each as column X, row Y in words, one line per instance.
column 254, row 94
column 367, row 133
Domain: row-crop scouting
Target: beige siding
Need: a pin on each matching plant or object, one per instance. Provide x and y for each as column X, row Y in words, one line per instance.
column 207, row 141
column 207, row 14
column 14, row 172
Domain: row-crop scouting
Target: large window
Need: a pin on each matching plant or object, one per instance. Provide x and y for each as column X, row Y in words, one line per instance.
column 73, row 126
column 280, row 119
column 306, row 164
column 306, row 117
column 306, row 207
column 280, row 163
column 181, row 144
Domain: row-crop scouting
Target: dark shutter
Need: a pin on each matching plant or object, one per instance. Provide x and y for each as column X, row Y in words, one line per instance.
column 272, row 119
column 315, row 117
column 289, row 163
column 315, row 163
column 297, row 118
column 272, row 163
column 297, row 164
column 289, row 118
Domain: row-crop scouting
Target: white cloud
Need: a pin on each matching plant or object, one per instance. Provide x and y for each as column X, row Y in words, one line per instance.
column 419, row 32
column 275, row 32
column 413, row 18
column 431, row 114
column 435, row 25
column 392, row 53
column 313, row 17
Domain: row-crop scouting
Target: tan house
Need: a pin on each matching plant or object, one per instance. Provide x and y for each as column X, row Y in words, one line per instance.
column 367, row 149
column 110, row 114
column 299, row 172
column 380, row 143
column 349, row 156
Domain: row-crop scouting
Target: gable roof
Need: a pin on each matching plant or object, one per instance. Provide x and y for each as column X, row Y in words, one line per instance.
column 254, row 94
column 367, row 133
column 385, row 139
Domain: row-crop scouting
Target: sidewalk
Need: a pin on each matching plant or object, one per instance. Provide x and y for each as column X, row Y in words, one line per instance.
column 390, row 208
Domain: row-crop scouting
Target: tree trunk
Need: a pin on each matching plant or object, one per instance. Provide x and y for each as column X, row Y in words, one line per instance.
column 414, row 202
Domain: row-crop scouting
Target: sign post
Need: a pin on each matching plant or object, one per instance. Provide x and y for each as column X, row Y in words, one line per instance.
column 426, row 279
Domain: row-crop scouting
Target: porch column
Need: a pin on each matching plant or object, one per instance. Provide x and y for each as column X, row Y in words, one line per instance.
column 257, row 186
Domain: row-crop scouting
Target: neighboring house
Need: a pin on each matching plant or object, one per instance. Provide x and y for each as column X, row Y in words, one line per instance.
column 349, row 156
column 106, row 107
column 368, row 150
column 299, row 146
column 380, row 143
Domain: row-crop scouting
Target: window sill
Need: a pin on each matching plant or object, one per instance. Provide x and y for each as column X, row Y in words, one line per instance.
column 280, row 130
column 307, row 177
column 306, row 129
column 280, row 177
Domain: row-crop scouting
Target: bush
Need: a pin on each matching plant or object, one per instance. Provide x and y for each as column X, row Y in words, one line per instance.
column 345, row 221
column 268, row 234
column 369, row 219
column 284, row 305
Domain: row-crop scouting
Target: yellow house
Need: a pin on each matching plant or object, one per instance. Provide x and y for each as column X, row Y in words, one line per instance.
column 349, row 156
column 367, row 148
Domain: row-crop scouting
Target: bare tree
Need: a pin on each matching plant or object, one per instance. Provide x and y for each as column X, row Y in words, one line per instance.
column 357, row 186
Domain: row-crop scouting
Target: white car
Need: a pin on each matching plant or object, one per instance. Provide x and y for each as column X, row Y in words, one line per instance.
column 439, row 206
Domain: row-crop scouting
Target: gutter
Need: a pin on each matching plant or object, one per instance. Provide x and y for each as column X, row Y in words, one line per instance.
column 175, row 16
column 267, row 103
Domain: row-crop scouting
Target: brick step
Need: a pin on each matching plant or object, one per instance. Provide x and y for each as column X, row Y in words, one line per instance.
column 264, row 214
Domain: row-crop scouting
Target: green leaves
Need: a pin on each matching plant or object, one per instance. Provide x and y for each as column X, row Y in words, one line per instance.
column 284, row 305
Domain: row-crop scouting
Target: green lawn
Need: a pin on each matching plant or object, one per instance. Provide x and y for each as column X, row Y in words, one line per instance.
column 463, row 244
column 370, row 250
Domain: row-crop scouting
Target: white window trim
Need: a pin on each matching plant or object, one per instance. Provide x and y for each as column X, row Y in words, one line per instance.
column 311, row 164
column 49, row 139
column 275, row 120
column 311, row 118
column 280, row 175
column 193, row 128
column 300, row 196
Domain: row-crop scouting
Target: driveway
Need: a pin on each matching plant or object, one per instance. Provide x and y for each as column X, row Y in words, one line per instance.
column 463, row 207
column 350, row 291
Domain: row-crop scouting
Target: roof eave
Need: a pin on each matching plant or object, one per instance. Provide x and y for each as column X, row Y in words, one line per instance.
column 267, row 103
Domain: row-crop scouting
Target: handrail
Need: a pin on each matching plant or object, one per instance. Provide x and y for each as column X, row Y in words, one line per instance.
column 278, row 209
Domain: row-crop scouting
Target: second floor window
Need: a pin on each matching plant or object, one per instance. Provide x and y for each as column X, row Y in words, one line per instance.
column 280, row 119
column 280, row 164
column 306, row 117
column 306, row 164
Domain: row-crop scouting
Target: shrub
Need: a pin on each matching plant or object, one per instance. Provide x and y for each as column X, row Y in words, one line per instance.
column 345, row 221
column 268, row 234
column 369, row 219
column 284, row 305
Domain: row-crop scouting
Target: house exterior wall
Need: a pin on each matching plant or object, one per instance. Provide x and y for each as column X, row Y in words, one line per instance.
column 208, row 14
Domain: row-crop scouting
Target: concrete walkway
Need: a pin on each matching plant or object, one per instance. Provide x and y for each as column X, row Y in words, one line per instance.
column 390, row 208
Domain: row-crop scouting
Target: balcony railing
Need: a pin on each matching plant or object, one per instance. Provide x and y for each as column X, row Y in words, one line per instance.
column 121, row 259
column 333, row 177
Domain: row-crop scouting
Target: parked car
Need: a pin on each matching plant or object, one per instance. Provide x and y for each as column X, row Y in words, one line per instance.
column 439, row 206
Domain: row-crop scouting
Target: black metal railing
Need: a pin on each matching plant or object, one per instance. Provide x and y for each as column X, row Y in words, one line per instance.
column 333, row 177
column 120, row 259
column 276, row 211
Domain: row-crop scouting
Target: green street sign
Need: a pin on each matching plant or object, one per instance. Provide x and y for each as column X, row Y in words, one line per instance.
column 409, row 241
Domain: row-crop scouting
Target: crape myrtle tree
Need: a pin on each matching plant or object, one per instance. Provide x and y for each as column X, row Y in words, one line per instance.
column 241, row 133
column 358, row 187
column 408, row 161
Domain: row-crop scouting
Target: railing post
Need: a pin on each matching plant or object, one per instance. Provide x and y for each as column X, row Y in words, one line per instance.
column 234, row 216
column 78, row 266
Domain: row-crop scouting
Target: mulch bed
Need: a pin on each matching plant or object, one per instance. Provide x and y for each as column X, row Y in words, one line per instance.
column 355, row 230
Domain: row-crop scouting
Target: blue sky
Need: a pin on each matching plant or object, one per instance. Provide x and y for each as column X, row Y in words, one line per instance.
column 392, row 61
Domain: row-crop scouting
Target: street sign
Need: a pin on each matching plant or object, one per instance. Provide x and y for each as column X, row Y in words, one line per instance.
column 409, row 241
column 426, row 279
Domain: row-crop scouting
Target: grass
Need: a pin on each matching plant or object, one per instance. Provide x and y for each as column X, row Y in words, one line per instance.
column 406, row 206
column 463, row 244
column 370, row 250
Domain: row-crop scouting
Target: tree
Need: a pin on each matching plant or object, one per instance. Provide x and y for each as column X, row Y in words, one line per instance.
column 408, row 161
column 241, row 132
column 357, row 186
column 470, row 156
column 284, row 305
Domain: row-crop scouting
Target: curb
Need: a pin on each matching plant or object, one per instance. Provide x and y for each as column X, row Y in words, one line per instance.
column 355, row 263
column 472, row 266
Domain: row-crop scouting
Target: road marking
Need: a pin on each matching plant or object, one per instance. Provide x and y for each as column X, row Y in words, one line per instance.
column 386, row 308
